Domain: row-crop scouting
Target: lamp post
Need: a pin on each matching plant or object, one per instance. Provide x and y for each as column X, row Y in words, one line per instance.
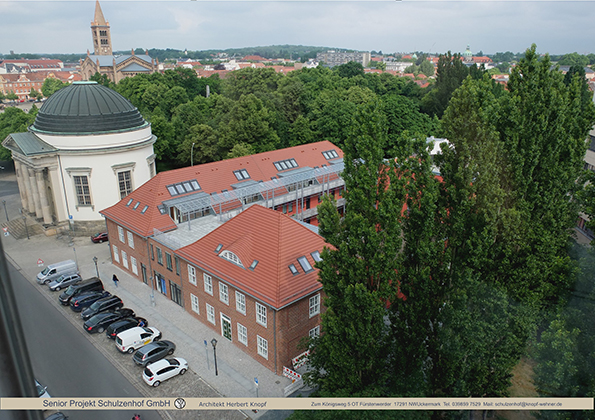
column 214, row 343
column 96, row 269
column 192, row 154
column 5, row 212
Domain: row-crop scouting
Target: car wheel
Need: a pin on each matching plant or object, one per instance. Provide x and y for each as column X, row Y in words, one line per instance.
column 170, row 352
column 183, row 371
column 130, row 350
column 156, row 383
column 58, row 289
column 100, row 329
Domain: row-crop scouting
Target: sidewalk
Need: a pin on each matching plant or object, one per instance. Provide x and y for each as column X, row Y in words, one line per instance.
column 236, row 369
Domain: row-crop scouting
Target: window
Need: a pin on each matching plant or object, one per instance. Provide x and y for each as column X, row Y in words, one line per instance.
column 191, row 275
column 253, row 265
column 133, row 265
column 293, row 270
column 194, row 303
column 159, row 256
column 116, row 254
column 124, row 183
column 175, row 293
column 178, row 267
column 314, row 332
column 168, row 261
column 129, row 202
column 130, row 239
column 136, row 205
column 223, row 293
column 314, row 305
column 242, row 334
column 241, row 174
column 261, row 314
column 210, row 314
column 230, row 256
column 125, row 258
column 241, row 303
column 81, row 186
column 121, row 234
column 144, row 210
column 263, row 347
column 316, row 256
column 208, row 283
column 152, row 253
column 305, row 264
column 330, row 154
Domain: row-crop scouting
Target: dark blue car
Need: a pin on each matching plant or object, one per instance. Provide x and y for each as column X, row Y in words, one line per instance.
column 84, row 300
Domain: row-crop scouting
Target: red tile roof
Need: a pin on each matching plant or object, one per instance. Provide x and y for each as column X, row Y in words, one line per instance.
column 254, row 58
column 269, row 237
column 212, row 177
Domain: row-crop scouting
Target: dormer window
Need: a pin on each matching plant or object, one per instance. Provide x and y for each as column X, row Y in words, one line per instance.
column 230, row 256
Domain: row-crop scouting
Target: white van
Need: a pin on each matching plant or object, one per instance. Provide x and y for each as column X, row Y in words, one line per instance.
column 129, row 340
column 53, row 271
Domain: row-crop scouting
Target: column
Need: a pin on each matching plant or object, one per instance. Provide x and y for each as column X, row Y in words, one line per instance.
column 30, row 207
column 43, row 198
column 21, row 183
column 35, row 192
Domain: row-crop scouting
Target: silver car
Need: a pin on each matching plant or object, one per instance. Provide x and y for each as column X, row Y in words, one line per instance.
column 64, row 281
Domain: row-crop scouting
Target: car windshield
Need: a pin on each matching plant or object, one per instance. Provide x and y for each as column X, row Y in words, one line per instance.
column 96, row 305
column 45, row 271
column 60, row 279
column 148, row 372
column 173, row 362
column 69, row 291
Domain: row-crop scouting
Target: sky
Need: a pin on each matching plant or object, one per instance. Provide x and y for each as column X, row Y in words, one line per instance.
column 51, row 26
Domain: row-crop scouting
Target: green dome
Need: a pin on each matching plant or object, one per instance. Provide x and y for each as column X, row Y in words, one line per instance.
column 87, row 107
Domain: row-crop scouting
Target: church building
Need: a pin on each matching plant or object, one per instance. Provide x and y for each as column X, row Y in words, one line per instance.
column 102, row 61
column 88, row 148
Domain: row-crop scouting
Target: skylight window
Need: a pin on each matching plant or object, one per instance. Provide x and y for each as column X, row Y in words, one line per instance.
column 305, row 264
column 253, row 265
column 188, row 186
column 283, row 165
column 316, row 256
column 129, row 202
column 278, row 166
column 218, row 248
column 241, row 174
column 144, row 210
column 183, row 187
column 136, row 205
column 162, row 209
column 293, row 270
column 330, row 154
column 172, row 190
column 180, row 189
column 195, row 184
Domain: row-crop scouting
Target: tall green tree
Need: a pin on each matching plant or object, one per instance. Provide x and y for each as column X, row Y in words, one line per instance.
column 51, row 85
column 450, row 73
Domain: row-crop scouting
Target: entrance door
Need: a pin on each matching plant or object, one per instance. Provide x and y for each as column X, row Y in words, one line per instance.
column 226, row 326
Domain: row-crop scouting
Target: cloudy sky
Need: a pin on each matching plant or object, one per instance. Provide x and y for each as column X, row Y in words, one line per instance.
column 53, row 26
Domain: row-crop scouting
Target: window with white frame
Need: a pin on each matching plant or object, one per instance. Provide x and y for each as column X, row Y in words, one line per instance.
column 121, row 234
column 263, row 347
column 314, row 332
column 130, row 239
column 124, row 183
column 223, row 293
column 314, row 305
column 133, row 265
column 194, row 303
column 208, row 283
column 191, row 274
column 261, row 314
column 81, row 188
column 116, row 253
column 125, row 259
column 230, row 256
column 210, row 314
column 241, row 303
column 242, row 334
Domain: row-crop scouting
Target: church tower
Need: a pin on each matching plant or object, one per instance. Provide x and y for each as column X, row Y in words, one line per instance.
column 102, row 40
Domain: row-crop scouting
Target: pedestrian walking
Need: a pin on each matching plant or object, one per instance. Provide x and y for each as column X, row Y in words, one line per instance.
column 115, row 279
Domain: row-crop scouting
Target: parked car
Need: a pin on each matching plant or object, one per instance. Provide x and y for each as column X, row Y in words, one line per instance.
column 64, row 281
column 99, row 237
column 53, row 271
column 90, row 285
column 84, row 300
column 98, row 323
column 125, row 324
column 153, row 352
column 42, row 391
column 102, row 305
column 163, row 369
column 134, row 338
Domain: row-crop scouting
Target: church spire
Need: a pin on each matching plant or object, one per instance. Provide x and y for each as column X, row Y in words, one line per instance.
column 102, row 40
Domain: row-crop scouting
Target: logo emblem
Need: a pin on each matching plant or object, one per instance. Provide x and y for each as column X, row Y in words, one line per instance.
column 180, row 403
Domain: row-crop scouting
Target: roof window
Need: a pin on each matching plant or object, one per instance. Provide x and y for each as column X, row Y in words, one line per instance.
column 293, row 270
column 330, row 154
column 144, row 210
column 283, row 165
column 218, row 248
column 241, row 174
column 129, row 202
column 253, row 265
column 316, row 256
column 183, row 187
column 136, row 205
column 305, row 264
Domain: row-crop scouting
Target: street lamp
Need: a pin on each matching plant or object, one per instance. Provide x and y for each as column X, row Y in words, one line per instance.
column 5, row 212
column 96, row 269
column 214, row 343
column 192, row 154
